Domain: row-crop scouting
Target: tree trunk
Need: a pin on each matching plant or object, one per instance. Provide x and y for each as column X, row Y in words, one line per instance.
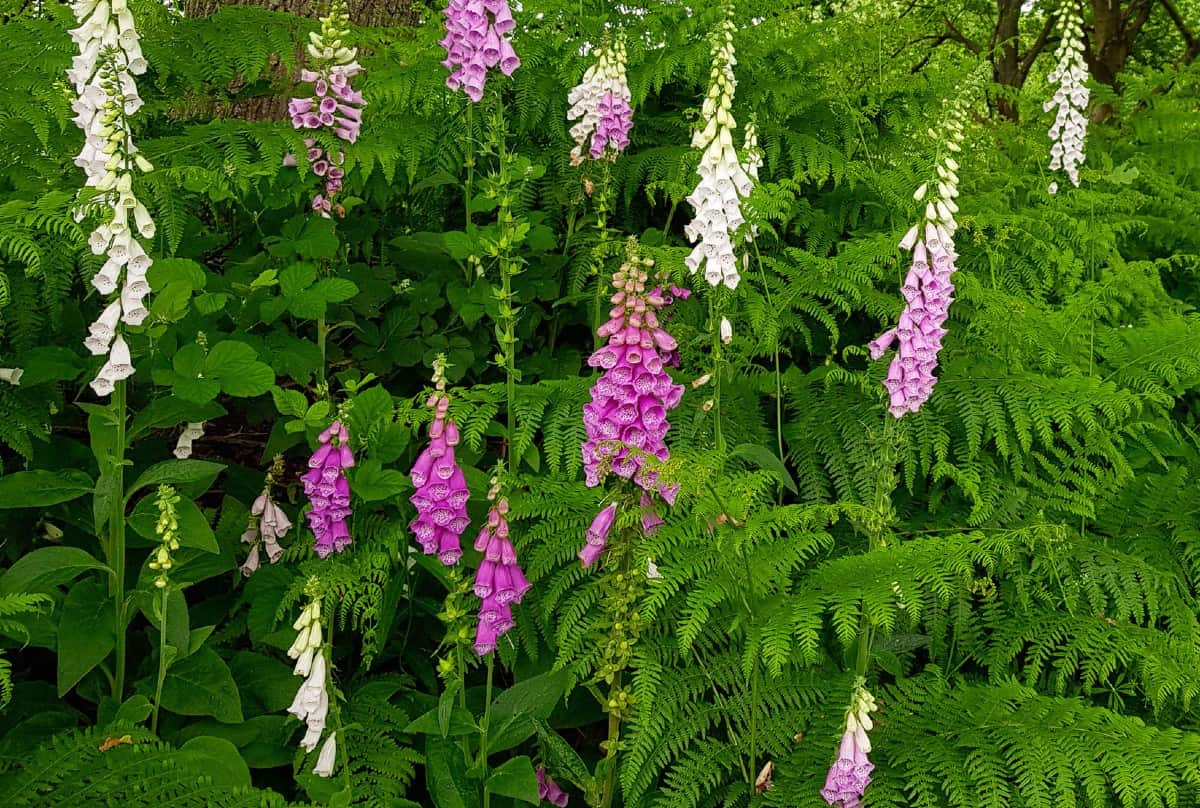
column 1006, row 59
column 1114, row 31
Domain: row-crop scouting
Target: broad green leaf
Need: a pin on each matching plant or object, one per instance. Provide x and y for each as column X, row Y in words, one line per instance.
column 85, row 632
column 176, row 472
column 170, row 411
column 266, row 684
column 765, row 459
column 289, row 402
column 513, row 709
column 515, row 778
column 39, row 488
column 297, row 277
column 225, row 764
column 446, row 775
column 194, row 530
column 371, row 483
column 235, row 366
column 562, row 757
column 201, row 684
column 47, row 567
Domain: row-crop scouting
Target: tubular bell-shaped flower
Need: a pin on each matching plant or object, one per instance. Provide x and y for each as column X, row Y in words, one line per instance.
column 191, row 433
column 549, row 791
column 928, row 288
column 724, row 181
column 601, row 106
column 334, row 105
column 850, row 773
column 626, row 420
column 477, row 38
column 268, row 523
column 110, row 55
column 1070, row 73
column 441, row 490
column 499, row 581
column 327, row 489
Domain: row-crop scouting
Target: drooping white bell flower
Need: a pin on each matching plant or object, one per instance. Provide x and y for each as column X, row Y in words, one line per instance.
column 183, row 446
column 311, row 704
column 326, row 758
column 1070, row 73
column 12, row 375
column 724, row 182
column 110, row 56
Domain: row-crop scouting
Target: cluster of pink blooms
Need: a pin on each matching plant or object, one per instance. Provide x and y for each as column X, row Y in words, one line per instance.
column 441, row 495
column 334, row 104
column 477, row 38
column 600, row 106
column 268, row 524
column 626, row 420
column 499, row 582
column 328, row 490
column 850, row 773
column 549, row 790
column 928, row 291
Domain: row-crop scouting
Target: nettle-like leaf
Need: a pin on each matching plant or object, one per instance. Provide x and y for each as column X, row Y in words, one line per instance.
column 230, row 367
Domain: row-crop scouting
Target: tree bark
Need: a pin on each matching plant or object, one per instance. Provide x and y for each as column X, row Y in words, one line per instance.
column 1006, row 60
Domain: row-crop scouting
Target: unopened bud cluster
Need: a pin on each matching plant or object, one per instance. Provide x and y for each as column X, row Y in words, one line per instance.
column 110, row 55
column 601, row 106
column 166, row 528
column 724, row 181
column 1071, row 98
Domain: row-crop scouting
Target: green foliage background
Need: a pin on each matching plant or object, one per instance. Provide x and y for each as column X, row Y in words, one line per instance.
column 1031, row 593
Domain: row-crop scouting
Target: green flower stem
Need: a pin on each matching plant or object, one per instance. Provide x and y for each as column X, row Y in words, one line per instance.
column 718, row 359
column 613, row 744
column 508, row 327
column 470, row 162
column 116, row 537
column 599, row 252
column 884, row 485
column 483, row 728
column 162, row 656
column 775, row 354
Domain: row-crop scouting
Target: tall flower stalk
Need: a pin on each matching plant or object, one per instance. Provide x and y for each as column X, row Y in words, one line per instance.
column 602, row 115
column 102, row 74
column 441, row 489
column 333, row 106
column 626, row 426
column 723, row 179
column 928, row 288
column 1070, row 73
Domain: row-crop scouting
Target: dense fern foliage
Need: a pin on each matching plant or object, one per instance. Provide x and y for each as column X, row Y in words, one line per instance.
column 1013, row 571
